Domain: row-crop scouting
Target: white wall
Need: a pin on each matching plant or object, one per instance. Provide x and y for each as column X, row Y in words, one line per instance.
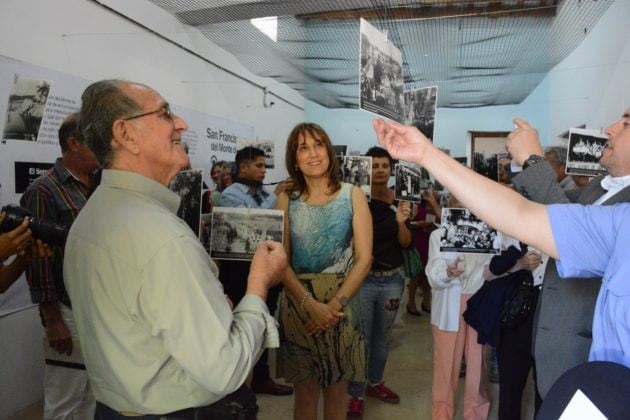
column 81, row 38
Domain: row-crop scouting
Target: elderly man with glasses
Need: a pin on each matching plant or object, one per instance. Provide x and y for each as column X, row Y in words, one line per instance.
column 158, row 335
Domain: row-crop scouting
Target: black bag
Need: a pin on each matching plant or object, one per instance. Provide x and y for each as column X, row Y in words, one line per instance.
column 520, row 300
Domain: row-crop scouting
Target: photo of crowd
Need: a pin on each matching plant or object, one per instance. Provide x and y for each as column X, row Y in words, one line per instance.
column 411, row 182
column 381, row 77
column 584, row 151
column 420, row 107
column 461, row 231
column 357, row 170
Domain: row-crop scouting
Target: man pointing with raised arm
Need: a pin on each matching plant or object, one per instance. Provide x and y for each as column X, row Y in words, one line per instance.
column 587, row 241
column 562, row 329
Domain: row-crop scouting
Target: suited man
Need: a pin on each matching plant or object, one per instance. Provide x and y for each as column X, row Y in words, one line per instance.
column 562, row 329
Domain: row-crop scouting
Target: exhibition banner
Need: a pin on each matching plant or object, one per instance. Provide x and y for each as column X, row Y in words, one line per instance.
column 33, row 103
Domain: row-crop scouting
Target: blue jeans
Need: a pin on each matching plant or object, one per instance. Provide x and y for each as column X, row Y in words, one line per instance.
column 380, row 300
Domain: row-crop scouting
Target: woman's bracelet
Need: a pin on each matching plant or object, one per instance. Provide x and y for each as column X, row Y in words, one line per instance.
column 303, row 299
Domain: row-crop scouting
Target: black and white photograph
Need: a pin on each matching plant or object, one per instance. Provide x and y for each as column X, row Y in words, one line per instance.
column 584, row 150
column 461, row 231
column 267, row 146
column 237, row 231
column 27, row 101
column 187, row 184
column 485, row 146
column 357, row 170
column 381, row 81
column 205, row 230
column 420, row 109
column 411, row 181
column 462, row 159
column 340, row 149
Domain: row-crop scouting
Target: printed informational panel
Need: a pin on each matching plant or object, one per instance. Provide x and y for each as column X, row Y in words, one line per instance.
column 33, row 103
column 210, row 139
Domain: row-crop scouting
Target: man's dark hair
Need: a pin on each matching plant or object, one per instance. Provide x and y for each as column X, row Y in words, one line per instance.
column 102, row 103
column 248, row 154
column 380, row 152
column 68, row 128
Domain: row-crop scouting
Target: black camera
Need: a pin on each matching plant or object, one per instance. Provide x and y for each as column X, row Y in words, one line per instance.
column 49, row 233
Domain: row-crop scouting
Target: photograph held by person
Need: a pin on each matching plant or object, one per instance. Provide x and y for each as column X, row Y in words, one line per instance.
column 247, row 191
column 381, row 291
column 158, row 335
column 58, row 196
column 586, row 241
column 18, row 242
column 454, row 278
column 562, row 327
column 328, row 235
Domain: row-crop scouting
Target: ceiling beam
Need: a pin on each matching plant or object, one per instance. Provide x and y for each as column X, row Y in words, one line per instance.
column 437, row 10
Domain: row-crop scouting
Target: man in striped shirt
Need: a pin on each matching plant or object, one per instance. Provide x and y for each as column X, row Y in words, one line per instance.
column 57, row 197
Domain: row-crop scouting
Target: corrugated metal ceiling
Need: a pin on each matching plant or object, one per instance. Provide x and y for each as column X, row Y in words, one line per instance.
column 478, row 53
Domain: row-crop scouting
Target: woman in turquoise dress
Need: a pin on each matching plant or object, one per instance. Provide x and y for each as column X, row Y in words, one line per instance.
column 328, row 235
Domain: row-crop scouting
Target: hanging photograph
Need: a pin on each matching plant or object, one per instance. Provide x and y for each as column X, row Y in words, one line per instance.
column 357, row 170
column 236, row 231
column 461, row 231
column 267, row 146
column 420, row 109
column 205, row 230
column 187, row 184
column 584, row 151
column 485, row 147
column 27, row 101
column 340, row 149
column 411, row 181
column 381, row 81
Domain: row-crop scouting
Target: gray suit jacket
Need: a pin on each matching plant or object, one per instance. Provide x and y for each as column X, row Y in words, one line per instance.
column 564, row 315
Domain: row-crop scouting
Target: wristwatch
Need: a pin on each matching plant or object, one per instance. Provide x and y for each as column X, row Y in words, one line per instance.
column 343, row 301
column 532, row 160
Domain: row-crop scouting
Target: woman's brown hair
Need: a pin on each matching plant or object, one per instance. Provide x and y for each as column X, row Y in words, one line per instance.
column 290, row 158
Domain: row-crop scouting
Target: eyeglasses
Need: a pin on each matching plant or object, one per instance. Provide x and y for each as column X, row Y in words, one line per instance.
column 165, row 110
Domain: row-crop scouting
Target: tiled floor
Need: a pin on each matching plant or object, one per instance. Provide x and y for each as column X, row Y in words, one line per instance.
column 408, row 373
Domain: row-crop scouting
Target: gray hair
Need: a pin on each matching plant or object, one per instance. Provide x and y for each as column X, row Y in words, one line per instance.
column 558, row 153
column 102, row 103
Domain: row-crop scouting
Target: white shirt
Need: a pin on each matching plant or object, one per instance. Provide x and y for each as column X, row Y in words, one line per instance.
column 446, row 291
column 613, row 185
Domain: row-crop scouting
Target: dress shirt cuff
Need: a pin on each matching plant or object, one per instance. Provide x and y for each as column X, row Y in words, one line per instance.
column 253, row 303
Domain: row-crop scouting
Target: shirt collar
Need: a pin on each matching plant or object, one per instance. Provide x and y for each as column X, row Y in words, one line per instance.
column 615, row 183
column 245, row 189
column 143, row 185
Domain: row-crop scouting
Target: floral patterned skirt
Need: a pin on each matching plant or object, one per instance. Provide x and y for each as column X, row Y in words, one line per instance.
column 336, row 354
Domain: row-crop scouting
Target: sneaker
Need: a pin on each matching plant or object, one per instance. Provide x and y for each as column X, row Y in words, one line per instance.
column 355, row 408
column 383, row 393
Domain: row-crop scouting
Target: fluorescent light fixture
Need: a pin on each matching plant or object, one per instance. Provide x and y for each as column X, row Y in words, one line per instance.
column 267, row 25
